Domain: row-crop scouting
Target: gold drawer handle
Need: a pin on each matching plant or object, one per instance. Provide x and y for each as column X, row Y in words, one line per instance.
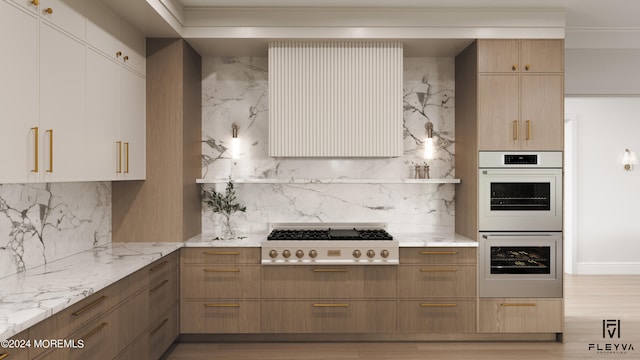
column 159, row 266
column 330, row 305
column 94, row 331
column 4, row 356
column 515, row 129
column 48, row 11
column 221, row 270
column 164, row 282
column 222, row 305
column 221, row 252
column 528, row 122
column 438, row 270
column 330, row 270
column 154, row 331
column 514, row 67
column 50, row 132
column 35, row 144
column 438, row 252
column 35, row 3
column 438, row 305
column 119, row 168
column 126, row 157
column 525, row 304
column 90, row 306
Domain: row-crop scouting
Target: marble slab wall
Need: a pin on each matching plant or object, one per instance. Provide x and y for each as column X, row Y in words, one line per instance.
column 235, row 90
column 40, row 223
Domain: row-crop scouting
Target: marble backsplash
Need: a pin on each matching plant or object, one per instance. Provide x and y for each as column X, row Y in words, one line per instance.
column 235, row 90
column 40, row 223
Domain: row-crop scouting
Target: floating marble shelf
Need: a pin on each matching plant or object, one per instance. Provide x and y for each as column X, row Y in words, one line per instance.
column 330, row 181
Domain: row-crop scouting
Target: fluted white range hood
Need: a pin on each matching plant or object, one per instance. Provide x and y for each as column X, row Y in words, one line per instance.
column 335, row 98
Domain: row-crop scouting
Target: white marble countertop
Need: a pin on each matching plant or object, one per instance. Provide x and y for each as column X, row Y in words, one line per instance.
column 31, row 296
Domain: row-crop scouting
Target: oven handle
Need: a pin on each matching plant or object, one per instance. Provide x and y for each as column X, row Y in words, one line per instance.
column 546, row 236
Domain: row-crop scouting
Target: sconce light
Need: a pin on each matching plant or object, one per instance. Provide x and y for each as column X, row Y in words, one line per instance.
column 235, row 142
column 428, row 142
column 629, row 159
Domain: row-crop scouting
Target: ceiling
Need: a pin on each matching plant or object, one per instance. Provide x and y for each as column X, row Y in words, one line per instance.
column 580, row 13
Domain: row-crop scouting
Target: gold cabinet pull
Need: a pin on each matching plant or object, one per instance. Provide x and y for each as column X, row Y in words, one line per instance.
column 222, row 305
column 163, row 283
column 154, row 331
column 221, row 252
column 119, row 168
column 35, row 155
column 4, row 356
column 222, row 270
column 94, row 331
column 35, row 2
column 437, row 270
column 438, row 305
column 320, row 270
column 438, row 252
column 528, row 122
column 118, row 54
column 330, row 305
column 159, row 266
column 515, row 129
column 90, row 306
column 514, row 67
column 527, row 67
column 126, row 156
column 48, row 11
column 50, row 131
column 125, row 58
column 521, row 304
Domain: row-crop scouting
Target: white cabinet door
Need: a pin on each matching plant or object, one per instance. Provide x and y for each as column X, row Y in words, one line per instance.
column 27, row 4
column 18, row 94
column 62, row 105
column 103, row 116
column 134, row 48
column 103, row 29
column 133, row 124
column 67, row 14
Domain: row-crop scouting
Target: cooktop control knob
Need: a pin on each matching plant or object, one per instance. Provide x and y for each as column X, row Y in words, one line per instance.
column 356, row 253
column 299, row 254
column 384, row 253
column 273, row 254
column 371, row 254
column 286, row 254
column 313, row 254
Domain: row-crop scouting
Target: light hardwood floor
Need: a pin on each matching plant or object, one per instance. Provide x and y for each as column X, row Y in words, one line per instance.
column 588, row 301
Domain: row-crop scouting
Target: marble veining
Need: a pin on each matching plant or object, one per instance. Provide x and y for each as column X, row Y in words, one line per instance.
column 35, row 294
column 40, row 223
column 235, row 91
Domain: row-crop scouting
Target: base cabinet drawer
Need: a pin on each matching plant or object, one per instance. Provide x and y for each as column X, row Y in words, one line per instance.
column 18, row 349
column 428, row 281
column 150, row 303
column 521, row 315
column 220, row 317
column 220, row 282
column 437, row 316
column 221, row 255
column 322, row 316
column 438, row 256
column 156, row 339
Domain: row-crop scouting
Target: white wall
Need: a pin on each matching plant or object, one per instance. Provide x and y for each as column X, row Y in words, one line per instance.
column 608, row 197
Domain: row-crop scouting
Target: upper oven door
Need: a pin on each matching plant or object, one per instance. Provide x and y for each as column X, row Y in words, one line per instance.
column 520, row 200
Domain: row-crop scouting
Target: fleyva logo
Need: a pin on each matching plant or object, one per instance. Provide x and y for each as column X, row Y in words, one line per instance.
column 611, row 329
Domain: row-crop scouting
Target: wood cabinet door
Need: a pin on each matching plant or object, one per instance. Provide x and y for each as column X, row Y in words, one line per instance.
column 62, row 106
column 18, row 94
column 520, row 315
column 498, row 56
column 542, row 56
column 498, row 112
column 542, row 112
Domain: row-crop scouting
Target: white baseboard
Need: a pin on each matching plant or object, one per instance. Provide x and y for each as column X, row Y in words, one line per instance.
column 608, row 268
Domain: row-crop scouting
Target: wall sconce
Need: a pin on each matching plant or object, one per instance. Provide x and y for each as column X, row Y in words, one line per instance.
column 629, row 159
column 235, row 142
column 428, row 142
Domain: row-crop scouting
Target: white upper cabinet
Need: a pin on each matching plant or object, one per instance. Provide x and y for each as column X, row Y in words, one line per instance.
column 132, row 130
column 18, row 94
column 69, row 15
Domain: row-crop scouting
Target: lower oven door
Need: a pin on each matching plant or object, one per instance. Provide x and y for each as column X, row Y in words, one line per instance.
column 520, row 265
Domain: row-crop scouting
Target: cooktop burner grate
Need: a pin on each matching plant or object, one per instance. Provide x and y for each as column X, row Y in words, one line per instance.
column 329, row 234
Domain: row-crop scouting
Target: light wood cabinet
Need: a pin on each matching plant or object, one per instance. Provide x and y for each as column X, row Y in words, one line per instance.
column 221, row 282
column 323, row 316
column 19, row 352
column 437, row 316
column 520, row 315
column 422, row 281
column 155, row 340
column 520, row 56
column 438, row 255
column 542, row 106
column 222, row 316
column 221, row 255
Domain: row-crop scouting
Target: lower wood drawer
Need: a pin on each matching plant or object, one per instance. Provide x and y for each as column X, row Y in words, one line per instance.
column 220, row 317
column 18, row 349
column 425, row 281
column 220, row 282
column 221, row 255
column 147, row 305
column 156, row 339
column 437, row 316
column 322, row 316
column 520, row 315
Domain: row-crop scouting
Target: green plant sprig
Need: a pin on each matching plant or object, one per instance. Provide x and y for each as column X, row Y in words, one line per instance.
column 225, row 203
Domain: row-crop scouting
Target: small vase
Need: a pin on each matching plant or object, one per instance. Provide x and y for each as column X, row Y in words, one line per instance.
column 226, row 230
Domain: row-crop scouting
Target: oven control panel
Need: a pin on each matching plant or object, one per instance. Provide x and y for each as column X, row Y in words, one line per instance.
column 305, row 253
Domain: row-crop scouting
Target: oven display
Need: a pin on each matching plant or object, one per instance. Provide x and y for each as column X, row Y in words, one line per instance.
column 521, row 196
column 520, row 260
